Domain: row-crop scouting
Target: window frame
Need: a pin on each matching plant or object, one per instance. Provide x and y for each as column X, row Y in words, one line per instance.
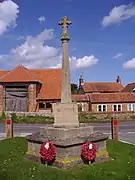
column 45, row 105
column 117, row 105
column 48, row 107
column 132, row 107
column 82, row 104
column 133, row 90
column 39, row 105
column 102, row 105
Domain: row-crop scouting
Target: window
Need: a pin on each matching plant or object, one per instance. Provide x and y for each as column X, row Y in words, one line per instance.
column 48, row 105
column 131, row 107
column 82, row 106
column 79, row 107
column 133, row 91
column 99, row 108
column 44, row 105
column 102, row 108
column 114, row 107
column 117, row 107
column 41, row 105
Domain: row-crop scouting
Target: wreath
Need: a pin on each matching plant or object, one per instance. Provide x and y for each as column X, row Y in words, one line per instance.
column 88, row 152
column 47, row 152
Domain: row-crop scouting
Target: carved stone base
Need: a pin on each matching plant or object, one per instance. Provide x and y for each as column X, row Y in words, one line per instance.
column 68, row 143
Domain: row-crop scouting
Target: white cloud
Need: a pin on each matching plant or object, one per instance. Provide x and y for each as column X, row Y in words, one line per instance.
column 78, row 63
column 34, row 53
column 118, row 14
column 41, row 19
column 83, row 62
column 20, row 38
column 129, row 64
column 8, row 15
column 117, row 56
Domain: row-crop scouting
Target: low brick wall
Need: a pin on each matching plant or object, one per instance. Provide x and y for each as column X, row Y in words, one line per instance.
column 84, row 115
column 45, row 113
column 107, row 116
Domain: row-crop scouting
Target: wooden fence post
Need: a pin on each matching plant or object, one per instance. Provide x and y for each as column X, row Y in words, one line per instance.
column 114, row 128
column 9, row 126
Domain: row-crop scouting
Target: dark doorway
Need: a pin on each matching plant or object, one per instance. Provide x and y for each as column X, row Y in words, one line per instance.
column 16, row 98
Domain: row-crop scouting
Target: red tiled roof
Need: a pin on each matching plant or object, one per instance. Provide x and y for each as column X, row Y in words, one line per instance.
column 80, row 98
column 102, row 87
column 51, row 83
column 111, row 97
column 50, row 80
column 129, row 87
column 19, row 74
column 2, row 73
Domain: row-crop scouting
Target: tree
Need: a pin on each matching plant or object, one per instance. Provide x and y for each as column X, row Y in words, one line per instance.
column 74, row 88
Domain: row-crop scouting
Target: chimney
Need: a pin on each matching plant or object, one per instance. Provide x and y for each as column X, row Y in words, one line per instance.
column 81, row 81
column 118, row 79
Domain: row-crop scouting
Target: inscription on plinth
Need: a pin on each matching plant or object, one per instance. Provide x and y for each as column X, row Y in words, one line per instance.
column 65, row 115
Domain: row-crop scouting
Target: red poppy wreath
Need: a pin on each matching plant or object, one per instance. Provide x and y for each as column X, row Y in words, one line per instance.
column 47, row 152
column 88, row 151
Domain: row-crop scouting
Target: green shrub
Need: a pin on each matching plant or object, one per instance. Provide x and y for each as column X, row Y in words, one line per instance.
column 85, row 117
column 31, row 119
column 3, row 116
column 14, row 117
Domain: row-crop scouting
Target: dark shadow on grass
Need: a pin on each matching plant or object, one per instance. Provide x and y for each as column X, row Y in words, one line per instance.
column 50, row 163
column 86, row 161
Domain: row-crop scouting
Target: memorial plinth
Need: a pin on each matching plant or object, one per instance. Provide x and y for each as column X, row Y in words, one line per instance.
column 66, row 133
column 65, row 115
column 68, row 143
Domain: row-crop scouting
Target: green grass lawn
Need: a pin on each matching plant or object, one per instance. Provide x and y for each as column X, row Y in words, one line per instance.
column 13, row 165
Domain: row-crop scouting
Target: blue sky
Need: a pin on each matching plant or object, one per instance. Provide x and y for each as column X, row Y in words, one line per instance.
column 102, row 33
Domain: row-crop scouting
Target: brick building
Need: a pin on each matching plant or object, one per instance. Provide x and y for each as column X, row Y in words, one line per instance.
column 34, row 90
column 107, row 96
column 129, row 88
column 29, row 90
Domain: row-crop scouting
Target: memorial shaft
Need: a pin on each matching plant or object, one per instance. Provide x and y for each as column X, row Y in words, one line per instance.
column 66, row 86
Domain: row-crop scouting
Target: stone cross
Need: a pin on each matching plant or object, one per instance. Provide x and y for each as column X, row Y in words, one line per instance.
column 66, row 86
